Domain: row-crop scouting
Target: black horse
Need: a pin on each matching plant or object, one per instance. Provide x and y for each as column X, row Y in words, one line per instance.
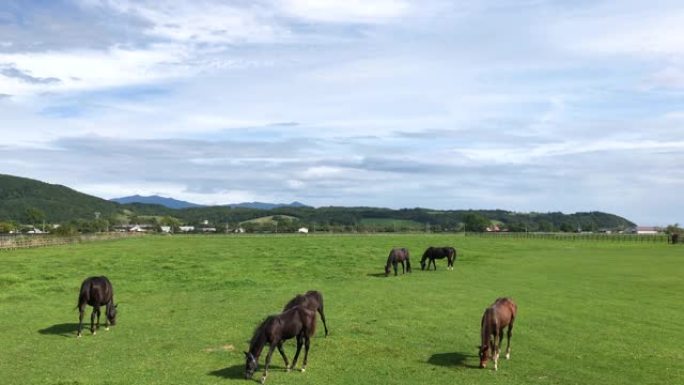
column 433, row 253
column 312, row 300
column 96, row 292
column 396, row 256
column 298, row 322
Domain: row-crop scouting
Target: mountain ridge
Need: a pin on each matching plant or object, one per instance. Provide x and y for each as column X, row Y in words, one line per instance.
column 29, row 201
column 173, row 203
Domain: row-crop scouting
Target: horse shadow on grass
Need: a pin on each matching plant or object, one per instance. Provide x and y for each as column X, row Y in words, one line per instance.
column 376, row 275
column 238, row 371
column 64, row 330
column 235, row 372
column 454, row 359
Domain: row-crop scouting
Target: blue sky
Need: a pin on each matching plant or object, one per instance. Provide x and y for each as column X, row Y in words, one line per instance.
column 521, row 105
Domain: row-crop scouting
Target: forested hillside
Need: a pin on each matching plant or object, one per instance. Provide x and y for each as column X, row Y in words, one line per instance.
column 27, row 201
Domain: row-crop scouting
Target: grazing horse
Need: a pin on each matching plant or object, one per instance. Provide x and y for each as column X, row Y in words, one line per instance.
column 396, row 256
column 312, row 300
column 298, row 322
column 433, row 253
column 96, row 291
column 495, row 318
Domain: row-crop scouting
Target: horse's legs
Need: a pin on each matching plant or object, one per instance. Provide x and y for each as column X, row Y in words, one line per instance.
column 403, row 269
column 394, row 264
column 498, row 347
column 434, row 265
column 92, row 319
column 299, row 348
column 81, row 311
column 107, row 311
column 97, row 324
column 306, row 351
column 268, row 362
column 282, row 354
column 495, row 349
column 508, row 342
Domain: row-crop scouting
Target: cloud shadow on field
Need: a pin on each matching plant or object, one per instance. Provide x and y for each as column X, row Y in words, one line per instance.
column 451, row 359
column 64, row 330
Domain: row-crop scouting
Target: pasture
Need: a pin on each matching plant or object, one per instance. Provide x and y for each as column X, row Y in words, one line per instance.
column 589, row 312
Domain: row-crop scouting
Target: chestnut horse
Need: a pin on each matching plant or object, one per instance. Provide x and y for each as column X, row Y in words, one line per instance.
column 495, row 318
column 433, row 253
column 395, row 257
column 297, row 322
column 312, row 300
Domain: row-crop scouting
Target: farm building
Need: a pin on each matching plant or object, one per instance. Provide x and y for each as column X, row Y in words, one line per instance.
column 303, row 230
column 646, row 230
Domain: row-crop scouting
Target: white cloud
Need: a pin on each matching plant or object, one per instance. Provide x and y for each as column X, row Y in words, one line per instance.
column 202, row 21
column 87, row 70
column 535, row 154
column 346, row 11
column 622, row 28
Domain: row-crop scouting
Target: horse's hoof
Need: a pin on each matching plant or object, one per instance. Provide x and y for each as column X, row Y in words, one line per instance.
column 288, row 369
column 508, row 356
column 107, row 329
column 263, row 379
column 95, row 332
column 303, row 370
column 78, row 335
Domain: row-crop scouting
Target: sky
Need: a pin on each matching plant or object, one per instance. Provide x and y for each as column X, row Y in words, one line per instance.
column 525, row 105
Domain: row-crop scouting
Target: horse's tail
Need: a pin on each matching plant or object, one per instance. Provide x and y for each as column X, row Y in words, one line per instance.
column 83, row 294
column 321, row 312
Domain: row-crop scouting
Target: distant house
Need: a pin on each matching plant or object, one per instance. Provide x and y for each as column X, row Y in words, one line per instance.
column 136, row 228
column 186, row 229
column 208, row 229
column 303, row 230
column 239, row 230
column 646, row 230
column 493, row 228
column 165, row 229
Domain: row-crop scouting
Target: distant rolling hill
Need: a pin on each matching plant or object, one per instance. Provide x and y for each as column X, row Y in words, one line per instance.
column 156, row 200
column 57, row 202
column 266, row 206
column 178, row 204
column 22, row 198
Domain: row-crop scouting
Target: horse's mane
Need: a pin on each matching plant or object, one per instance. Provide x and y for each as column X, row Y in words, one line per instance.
column 297, row 300
column 259, row 331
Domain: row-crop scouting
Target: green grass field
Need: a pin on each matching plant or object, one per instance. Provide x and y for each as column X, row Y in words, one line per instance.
column 589, row 313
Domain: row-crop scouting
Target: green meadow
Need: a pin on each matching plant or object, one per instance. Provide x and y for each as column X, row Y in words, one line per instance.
column 589, row 312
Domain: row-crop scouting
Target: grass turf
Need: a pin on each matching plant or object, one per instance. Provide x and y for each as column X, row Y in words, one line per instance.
column 589, row 313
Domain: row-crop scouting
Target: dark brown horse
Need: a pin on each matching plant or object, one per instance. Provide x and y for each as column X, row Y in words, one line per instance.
column 312, row 300
column 395, row 257
column 96, row 292
column 433, row 253
column 495, row 318
column 297, row 322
